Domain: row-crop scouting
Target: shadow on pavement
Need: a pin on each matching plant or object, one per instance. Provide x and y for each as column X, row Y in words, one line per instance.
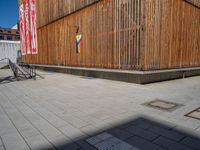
column 138, row 134
column 8, row 79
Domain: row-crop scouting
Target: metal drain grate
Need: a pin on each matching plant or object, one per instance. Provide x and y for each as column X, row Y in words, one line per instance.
column 163, row 105
column 194, row 114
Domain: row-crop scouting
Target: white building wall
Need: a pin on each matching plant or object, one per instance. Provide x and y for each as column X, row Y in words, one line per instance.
column 8, row 49
column 14, row 27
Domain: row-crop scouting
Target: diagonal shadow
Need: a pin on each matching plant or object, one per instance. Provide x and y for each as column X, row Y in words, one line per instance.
column 7, row 79
column 141, row 133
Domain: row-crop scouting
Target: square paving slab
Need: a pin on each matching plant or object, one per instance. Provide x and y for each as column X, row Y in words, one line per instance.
column 106, row 141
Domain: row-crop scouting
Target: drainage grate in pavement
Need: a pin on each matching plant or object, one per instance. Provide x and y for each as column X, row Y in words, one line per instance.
column 163, row 105
column 194, row 114
column 106, row 141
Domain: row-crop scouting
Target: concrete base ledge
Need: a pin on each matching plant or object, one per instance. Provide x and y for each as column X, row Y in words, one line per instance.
column 139, row 77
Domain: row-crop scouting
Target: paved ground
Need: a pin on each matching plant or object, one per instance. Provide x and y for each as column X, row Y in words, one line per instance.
column 68, row 112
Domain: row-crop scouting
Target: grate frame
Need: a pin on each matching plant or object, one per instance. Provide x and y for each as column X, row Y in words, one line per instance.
column 190, row 114
column 173, row 108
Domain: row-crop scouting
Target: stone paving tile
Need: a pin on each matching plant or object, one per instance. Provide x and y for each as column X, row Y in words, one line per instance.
column 171, row 134
column 22, row 125
column 142, row 133
column 141, row 123
column 120, row 134
column 90, row 130
column 123, row 146
column 1, row 144
column 72, row 132
column 190, row 123
column 74, row 121
column 60, row 140
column 2, row 148
column 84, row 145
column 70, row 146
column 47, row 130
column 28, row 131
column 13, row 141
column 192, row 142
column 10, row 136
column 143, row 144
column 38, row 142
column 99, row 138
column 106, row 141
column 125, row 126
column 49, row 116
column 169, row 144
column 104, row 136
column 42, row 125
column 50, row 133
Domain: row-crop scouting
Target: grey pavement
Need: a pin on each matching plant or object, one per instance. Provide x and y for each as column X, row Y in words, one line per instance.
column 67, row 112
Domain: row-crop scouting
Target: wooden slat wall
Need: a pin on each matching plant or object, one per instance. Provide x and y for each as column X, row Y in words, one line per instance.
column 51, row 10
column 111, row 37
column 123, row 34
column 172, row 35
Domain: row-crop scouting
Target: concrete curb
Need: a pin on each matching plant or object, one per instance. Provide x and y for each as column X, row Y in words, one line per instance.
column 139, row 77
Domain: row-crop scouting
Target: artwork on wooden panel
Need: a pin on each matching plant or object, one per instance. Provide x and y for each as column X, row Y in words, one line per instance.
column 27, row 26
column 22, row 30
column 79, row 44
column 33, row 27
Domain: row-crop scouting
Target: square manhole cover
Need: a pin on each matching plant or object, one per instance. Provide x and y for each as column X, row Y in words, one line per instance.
column 163, row 105
column 194, row 114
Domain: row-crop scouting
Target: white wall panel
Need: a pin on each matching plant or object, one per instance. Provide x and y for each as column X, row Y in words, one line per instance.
column 8, row 49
